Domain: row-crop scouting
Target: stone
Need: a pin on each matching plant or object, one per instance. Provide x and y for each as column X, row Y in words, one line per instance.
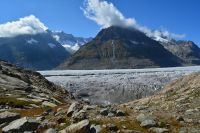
column 49, row 104
column 112, row 127
column 95, row 128
column 21, row 125
column 8, row 117
column 51, row 130
column 104, row 112
column 158, row 130
column 74, row 107
column 81, row 115
column 148, row 123
column 111, row 115
column 179, row 118
column 80, row 127
column 141, row 117
column 120, row 113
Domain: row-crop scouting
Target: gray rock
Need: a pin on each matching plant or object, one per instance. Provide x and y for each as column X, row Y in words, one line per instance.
column 148, row 123
column 21, row 125
column 111, row 114
column 8, row 117
column 120, row 113
column 95, row 128
column 179, row 118
column 112, row 127
column 81, row 115
column 158, row 130
column 104, row 112
column 80, row 127
column 74, row 107
column 51, row 130
column 141, row 117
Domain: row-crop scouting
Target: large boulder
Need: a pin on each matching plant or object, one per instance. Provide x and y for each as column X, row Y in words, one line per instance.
column 21, row 125
column 80, row 127
column 74, row 107
column 8, row 117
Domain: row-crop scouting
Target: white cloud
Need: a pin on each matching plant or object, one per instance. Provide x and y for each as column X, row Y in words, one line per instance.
column 106, row 14
column 26, row 25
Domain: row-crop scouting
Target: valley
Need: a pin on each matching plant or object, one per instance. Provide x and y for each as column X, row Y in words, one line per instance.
column 116, row 85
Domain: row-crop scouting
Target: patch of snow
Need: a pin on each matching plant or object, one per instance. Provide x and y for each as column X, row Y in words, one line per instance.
column 56, row 37
column 32, row 41
column 51, row 45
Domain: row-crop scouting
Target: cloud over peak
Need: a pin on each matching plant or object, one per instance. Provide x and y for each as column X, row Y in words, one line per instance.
column 26, row 25
column 106, row 14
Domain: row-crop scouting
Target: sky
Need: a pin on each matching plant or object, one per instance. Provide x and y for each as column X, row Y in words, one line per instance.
column 178, row 17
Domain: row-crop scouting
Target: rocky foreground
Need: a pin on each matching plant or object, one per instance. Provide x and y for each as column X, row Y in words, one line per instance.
column 48, row 108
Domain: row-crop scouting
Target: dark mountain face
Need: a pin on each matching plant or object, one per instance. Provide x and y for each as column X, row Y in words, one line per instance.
column 117, row 47
column 38, row 52
column 187, row 51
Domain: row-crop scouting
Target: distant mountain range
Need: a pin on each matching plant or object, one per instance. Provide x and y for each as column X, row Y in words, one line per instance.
column 122, row 48
column 40, row 51
column 112, row 48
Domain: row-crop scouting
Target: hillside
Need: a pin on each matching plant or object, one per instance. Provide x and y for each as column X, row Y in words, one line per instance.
column 117, row 47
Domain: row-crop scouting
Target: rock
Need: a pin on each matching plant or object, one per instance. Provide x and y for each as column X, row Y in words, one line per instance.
column 112, row 127
column 21, row 125
column 179, row 118
column 148, row 123
column 49, row 104
column 95, row 128
column 74, row 107
column 80, row 127
column 51, row 130
column 141, row 117
column 88, row 107
column 81, row 115
column 8, row 117
column 104, row 112
column 120, row 113
column 111, row 115
column 158, row 130
column 40, row 118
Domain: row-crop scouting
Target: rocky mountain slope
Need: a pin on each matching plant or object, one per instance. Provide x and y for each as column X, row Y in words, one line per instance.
column 187, row 51
column 117, row 47
column 39, row 52
column 27, row 87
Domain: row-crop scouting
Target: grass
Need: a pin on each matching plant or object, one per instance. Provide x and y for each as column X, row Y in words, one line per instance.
column 14, row 102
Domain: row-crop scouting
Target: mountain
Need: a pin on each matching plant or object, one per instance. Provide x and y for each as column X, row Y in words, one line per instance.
column 187, row 51
column 40, row 51
column 116, row 47
column 70, row 42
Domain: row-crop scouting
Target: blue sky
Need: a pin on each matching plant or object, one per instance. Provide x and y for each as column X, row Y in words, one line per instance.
column 177, row 16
